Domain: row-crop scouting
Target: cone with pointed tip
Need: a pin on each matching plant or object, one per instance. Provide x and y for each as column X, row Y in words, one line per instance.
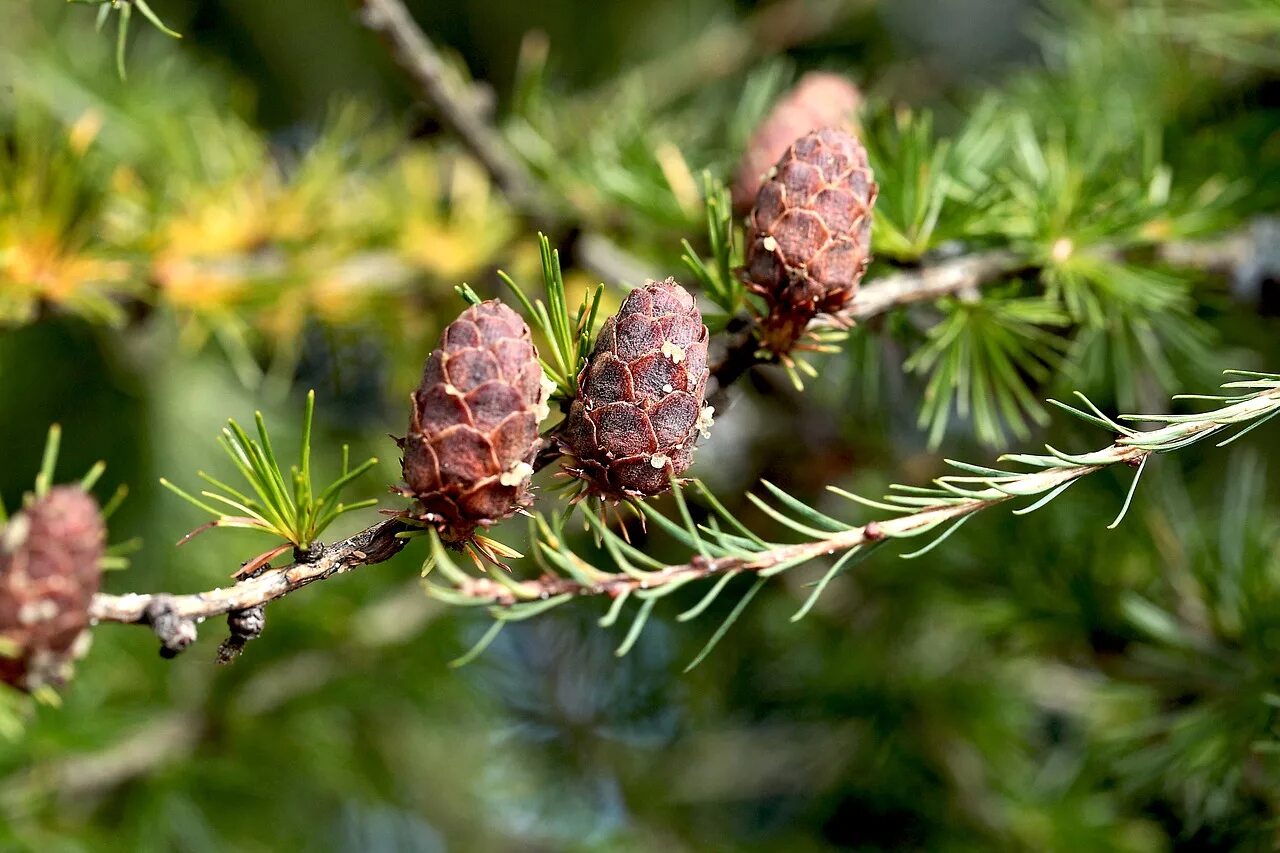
column 473, row 432
column 50, row 569
column 639, row 407
column 820, row 99
column 809, row 237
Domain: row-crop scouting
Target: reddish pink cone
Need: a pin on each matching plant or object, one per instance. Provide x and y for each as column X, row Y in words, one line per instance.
column 640, row 405
column 50, row 569
column 819, row 99
column 809, row 235
column 473, row 432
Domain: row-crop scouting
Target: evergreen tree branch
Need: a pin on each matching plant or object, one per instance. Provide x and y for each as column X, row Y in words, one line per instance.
column 969, row 273
column 457, row 110
column 460, row 112
column 174, row 617
column 954, row 500
column 958, row 275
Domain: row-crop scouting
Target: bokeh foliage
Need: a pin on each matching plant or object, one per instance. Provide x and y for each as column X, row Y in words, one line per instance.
column 260, row 210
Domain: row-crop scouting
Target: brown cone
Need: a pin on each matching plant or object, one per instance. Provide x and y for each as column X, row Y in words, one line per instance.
column 809, row 236
column 473, row 432
column 820, row 99
column 50, row 569
column 639, row 407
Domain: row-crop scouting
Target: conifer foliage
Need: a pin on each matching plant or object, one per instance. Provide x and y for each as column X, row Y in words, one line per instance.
column 884, row 294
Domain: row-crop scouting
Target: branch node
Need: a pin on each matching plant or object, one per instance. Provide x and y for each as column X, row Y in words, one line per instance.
column 245, row 625
column 175, row 632
column 309, row 554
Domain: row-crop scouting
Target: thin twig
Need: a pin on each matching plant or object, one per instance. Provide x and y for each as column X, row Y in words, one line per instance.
column 1130, row 450
column 385, row 271
column 615, row 584
column 885, row 294
column 968, row 274
column 460, row 112
column 174, row 617
column 457, row 110
column 933, row 282
column 379, row 543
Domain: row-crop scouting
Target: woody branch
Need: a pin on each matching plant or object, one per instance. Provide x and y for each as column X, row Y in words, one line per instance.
column 968, row 274
column 459, row 108
column 163, row 611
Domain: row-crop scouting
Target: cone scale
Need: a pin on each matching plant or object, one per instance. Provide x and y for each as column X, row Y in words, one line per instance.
column 820, row 99
column 50, row 569
column 809, row 235
column 473, row 430
column 639, row 409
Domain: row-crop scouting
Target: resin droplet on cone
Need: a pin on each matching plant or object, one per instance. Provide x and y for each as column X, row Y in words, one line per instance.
column 820, row 99
column 639, row 408
column 473, row 432
column 809, row 235
column 50, row 569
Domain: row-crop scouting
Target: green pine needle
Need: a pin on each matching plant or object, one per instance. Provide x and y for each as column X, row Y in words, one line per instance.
column 468, row 294
column 284, row 506
column 48, row 461
column 568, row 336
column 715, row 275
column 726, row 624
column 633, row 634
column 124, row 9
column 479, row 648
column 980, row 362
column 122, row 37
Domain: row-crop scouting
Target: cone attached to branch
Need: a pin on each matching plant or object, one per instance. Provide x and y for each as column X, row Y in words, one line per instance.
column 639, row 407
column 809, row 235
column 50, row 568
column 473, row 432
column 820, row 99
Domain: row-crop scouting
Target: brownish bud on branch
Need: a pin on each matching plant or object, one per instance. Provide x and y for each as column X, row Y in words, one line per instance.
column 50, row 569
column 473, row 432
column 639, row 407
column 820, row 99
column 809, row 236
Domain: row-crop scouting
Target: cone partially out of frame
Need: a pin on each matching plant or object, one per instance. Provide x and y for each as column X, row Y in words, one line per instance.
column 50, row 568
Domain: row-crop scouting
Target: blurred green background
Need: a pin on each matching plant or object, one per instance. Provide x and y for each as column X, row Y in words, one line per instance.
column 1038, row 683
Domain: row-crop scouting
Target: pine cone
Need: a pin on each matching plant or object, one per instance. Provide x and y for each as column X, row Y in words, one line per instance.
column 809, row 236
column 639, row 406
column 818, row 100
column 473, row 432
column 50, row 555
